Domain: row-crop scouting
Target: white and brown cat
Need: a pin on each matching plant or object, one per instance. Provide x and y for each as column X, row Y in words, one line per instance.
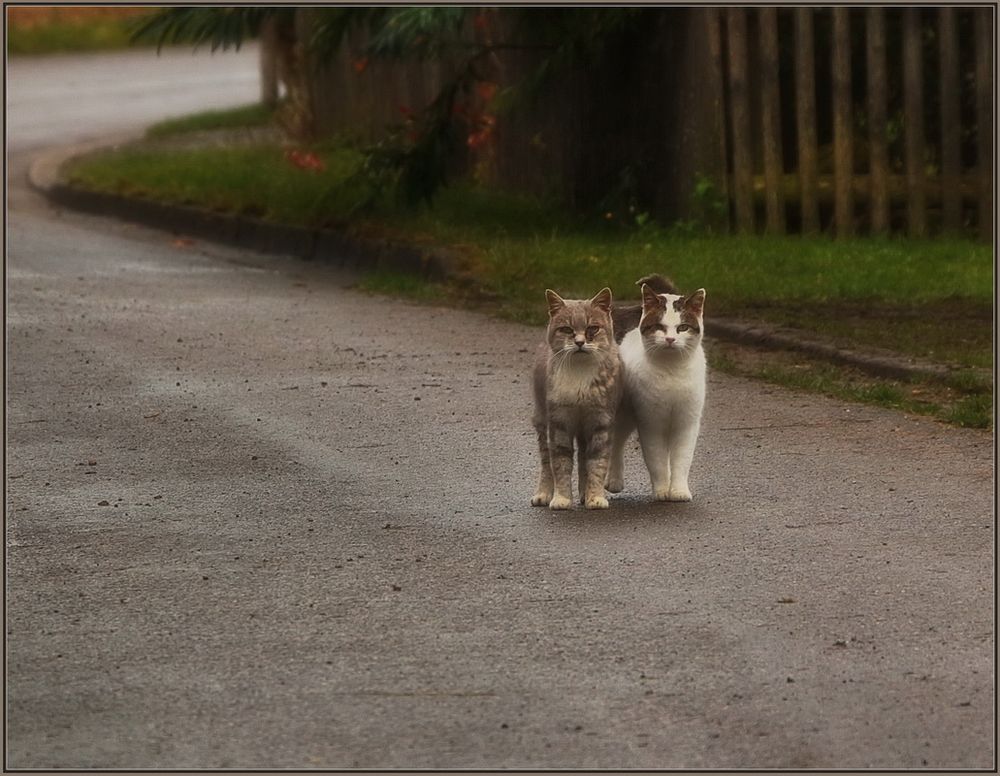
column 664, row 372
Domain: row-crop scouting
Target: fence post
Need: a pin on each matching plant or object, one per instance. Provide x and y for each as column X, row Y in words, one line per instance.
column 878, row 151
column 805, row 118
column 715, row 74
column 774, row 196
column 913, row 123
column 951, row 130
column 736, row 27
column 843, row 141
column 984, row 119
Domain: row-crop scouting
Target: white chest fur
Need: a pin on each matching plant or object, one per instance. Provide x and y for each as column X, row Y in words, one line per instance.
column 663, row 385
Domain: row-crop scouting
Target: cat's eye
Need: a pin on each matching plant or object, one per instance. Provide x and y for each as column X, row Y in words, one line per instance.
column 592, row 331
column 568, row 330
column 683, row 327
column 654, row 327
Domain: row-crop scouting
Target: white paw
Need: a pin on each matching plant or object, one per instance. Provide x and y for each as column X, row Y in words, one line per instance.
column 679, row 494
column 597, row 502
column 615, row 485
column 560, row 502
column 661, row 495
column 541, row 499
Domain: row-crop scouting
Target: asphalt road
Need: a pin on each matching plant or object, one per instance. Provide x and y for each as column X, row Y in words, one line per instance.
column 256, row 519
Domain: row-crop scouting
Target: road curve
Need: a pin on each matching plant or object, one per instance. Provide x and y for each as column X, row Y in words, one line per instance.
column 259, row 520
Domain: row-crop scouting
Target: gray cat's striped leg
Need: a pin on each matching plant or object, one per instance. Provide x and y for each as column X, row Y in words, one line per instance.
column 598, row 453
column 581, row 466
column 624, row 426
column 561, row 456
column 543, row 493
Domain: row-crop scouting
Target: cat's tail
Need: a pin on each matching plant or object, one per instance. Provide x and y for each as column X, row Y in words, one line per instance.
column 659, row 284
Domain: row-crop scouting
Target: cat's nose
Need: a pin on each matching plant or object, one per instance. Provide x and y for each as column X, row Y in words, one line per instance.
column 580, row 342
column 669, row 340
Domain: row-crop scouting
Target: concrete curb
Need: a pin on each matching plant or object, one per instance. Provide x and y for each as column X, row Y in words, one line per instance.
column 344, row 249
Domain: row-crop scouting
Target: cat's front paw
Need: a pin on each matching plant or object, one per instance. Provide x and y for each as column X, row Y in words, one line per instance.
column 560, row 502
column 597, row 502
column 615, row 484
column 541, row 499
column 679, row 494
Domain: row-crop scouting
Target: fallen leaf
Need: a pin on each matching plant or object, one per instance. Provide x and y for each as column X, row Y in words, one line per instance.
column 182, row 242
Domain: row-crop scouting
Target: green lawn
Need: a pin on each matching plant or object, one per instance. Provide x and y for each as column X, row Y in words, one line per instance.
column 927, row 298
column 253, row 115
column 254, row 180
column 70, row 30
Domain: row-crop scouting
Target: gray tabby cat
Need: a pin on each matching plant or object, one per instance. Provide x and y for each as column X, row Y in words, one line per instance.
column 577, row 391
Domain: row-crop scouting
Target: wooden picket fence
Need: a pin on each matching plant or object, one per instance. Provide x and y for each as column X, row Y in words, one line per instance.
column 933, row 173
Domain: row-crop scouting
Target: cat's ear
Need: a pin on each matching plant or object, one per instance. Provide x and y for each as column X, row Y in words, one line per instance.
column 556, row 302
column 602, row 300
column 651, row 300
column 696, row 302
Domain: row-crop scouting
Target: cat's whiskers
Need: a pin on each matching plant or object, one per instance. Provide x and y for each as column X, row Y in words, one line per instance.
column 656, row 347
column 559, row 358
column 568, row 353
column 685, row 345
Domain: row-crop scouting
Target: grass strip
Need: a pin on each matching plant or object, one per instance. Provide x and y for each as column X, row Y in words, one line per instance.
column 242, row 117
column 963, row 401
column 256, row 180
column 59, row 29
